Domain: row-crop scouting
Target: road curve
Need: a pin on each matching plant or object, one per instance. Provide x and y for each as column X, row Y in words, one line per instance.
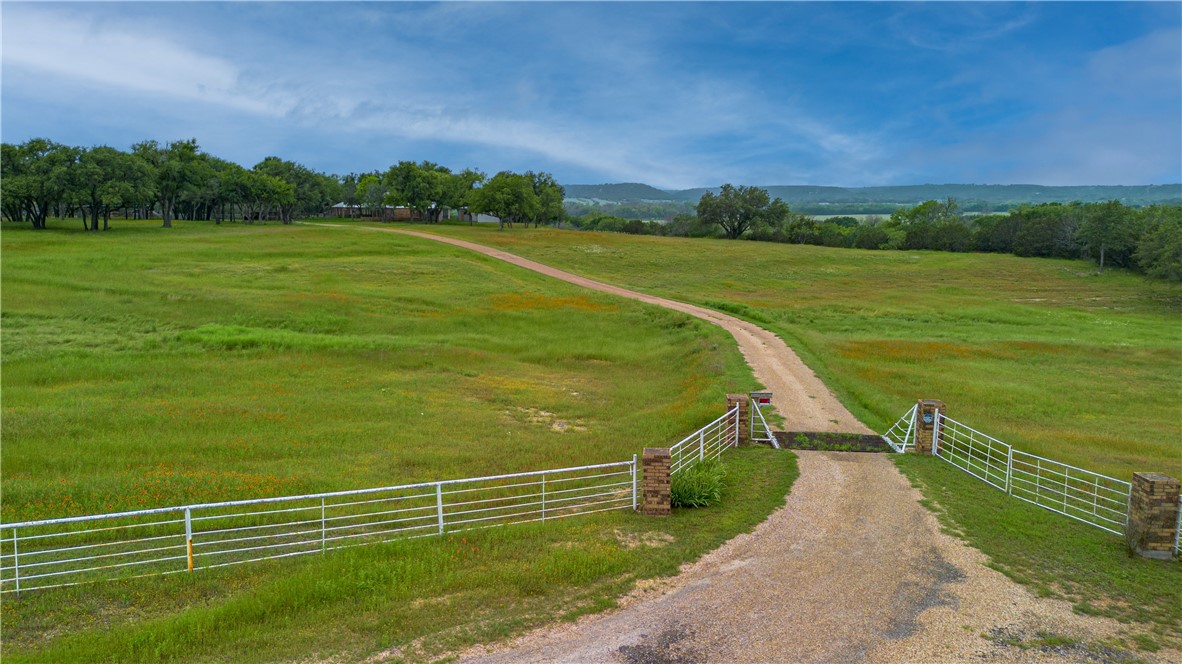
column 798, row 394
column 851, row 569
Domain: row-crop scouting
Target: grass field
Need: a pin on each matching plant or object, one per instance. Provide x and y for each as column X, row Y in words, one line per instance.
column 144, row 368
column 1044, row 354
column 1041, row 353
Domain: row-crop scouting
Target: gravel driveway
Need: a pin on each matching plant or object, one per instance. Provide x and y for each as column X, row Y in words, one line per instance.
column 851, row 569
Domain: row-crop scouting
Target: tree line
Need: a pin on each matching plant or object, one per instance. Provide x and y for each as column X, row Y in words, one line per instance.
column 1146, row 240
column 43, row 179
column 177, row 180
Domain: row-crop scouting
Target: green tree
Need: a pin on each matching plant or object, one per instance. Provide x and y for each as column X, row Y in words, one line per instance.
column 869, row 236
column 1108, row 229
column 309, row 192
column 174, row 169
column 932, row 225
column 550, row 196
column 348, row 192
column 37, row 177
column 462, row 188
column 371, row 194
column 734, row 209
column 508, row 196
column 107, row 179
column 1159, row 251
column 425, row 188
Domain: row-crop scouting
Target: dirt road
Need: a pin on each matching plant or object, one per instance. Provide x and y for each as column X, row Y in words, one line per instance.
column 798, row 395
column 851, row 569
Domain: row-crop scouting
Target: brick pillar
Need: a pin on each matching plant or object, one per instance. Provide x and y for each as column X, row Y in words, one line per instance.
column 1153, row 515
column 744, row 403
column 925, row 424
column 655, row 489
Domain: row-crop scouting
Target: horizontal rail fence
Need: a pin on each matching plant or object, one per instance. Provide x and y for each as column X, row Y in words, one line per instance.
column 705, row 443
column 901, row 434
column 1092, row 498
column 981, row 456
column 59, row 552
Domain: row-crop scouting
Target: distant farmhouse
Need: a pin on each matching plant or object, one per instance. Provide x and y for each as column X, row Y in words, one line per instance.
column 402, row 213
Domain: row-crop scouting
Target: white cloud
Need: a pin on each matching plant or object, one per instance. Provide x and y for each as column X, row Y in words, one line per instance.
column 88, row 52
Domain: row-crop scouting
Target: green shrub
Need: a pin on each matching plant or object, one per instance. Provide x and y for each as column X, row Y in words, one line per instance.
column 699, row 485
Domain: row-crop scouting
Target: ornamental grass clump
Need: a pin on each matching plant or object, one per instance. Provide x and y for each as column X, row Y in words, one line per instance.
column 699, row 485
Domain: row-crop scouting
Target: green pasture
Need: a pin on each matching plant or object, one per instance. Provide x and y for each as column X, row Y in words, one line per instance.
column 145, row 368
column 1041, row 353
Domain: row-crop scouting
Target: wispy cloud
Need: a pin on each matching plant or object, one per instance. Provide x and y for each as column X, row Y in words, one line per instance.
column 672, row 95
column 90, row 52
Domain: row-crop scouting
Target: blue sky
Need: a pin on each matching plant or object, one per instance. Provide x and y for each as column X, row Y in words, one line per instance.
column 674, row 95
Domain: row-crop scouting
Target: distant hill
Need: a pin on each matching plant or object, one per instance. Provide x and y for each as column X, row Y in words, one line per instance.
column 614, row 193
column 820, row 198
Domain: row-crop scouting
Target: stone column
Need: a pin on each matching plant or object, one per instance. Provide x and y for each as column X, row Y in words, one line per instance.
column 655, row 489
column 744, row 404
column 925, row 424
column 1153, row 515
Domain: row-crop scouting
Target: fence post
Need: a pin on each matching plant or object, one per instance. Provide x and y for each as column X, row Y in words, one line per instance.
column 16, row 563
column 189, row 537
column 439, row 505
column 323, row 540
column 743, row 422
column 633, row 482
column 1177, row 529
column 1153, row 515
column 1009, row 469
column 543, row 497
column 702, row 445
column 657, row 501
column 928, row 412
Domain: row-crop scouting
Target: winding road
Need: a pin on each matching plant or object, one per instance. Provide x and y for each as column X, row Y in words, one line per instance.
column 852, row 568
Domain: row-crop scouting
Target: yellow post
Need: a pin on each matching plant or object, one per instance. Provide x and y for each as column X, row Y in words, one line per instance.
column 189, row 537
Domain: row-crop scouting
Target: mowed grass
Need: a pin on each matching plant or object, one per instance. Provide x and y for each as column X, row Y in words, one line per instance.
column 145, row 368
column 1043, row 354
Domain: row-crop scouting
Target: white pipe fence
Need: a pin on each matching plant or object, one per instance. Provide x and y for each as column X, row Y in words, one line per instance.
column 1080, row 494
column 705, row 443
column 61, row 552
column 1095, row 499
column 51, row 553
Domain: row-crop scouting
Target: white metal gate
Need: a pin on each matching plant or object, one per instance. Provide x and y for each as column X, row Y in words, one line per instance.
column 1080, row 494
column 760, row 432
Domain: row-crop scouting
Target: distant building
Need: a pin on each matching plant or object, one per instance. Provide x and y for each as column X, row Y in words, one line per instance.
column 344, row 210
column 465, row 215
column 397, row 213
